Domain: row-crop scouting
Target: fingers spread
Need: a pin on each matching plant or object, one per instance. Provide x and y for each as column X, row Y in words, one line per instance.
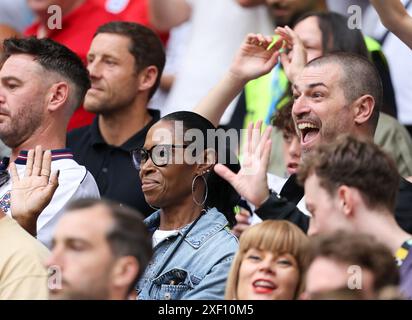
column 13, row 173
column 46, row 164
column 225, row 173
column 38, row 157
column 29, row 163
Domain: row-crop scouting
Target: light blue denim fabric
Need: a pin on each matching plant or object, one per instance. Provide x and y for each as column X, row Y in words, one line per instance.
column 200, row 266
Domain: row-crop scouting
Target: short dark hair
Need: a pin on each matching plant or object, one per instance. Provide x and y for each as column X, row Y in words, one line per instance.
column 54, row 57
column 146, row 47
column 128, row 236
column 360, row 250
column 355, row 163
column 359, row 77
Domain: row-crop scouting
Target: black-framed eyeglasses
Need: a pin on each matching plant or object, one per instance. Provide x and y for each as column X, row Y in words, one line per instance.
column 161, row 155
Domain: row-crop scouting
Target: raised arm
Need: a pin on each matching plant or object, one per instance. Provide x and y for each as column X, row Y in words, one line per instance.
column 166, row 14
column 252, row 60
column 395, row 18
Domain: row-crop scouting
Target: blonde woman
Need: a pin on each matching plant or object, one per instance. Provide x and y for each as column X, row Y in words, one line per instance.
column 270, row 263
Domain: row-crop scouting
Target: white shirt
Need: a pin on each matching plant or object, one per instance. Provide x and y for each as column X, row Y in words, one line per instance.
column 218, row 29
column 75, row 182
column 161, row 235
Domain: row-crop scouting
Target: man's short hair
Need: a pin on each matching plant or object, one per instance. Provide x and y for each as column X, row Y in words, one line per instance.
column 354, row 163
column 56, row 58
column 358, row 250
column 146, row 47
column 360, row 77
column 128, row 236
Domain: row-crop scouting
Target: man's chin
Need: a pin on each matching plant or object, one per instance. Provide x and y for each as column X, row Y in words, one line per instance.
column 93, row 106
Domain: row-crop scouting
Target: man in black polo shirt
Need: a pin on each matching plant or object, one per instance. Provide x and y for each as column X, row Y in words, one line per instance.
column 125, row 62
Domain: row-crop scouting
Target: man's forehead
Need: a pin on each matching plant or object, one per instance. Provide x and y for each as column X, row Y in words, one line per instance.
column 94, row 220
column 109, row 41
column 328, row 74
column 20, row 64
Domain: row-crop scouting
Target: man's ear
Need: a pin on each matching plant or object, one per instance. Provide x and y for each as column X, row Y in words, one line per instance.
column 363, row 108
column 57, row 96
column 147, row 78
column 346, row 200
column 125, row 272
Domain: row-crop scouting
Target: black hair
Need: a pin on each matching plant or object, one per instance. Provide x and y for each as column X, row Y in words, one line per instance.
column 145, row 46
column 54, row 57
column 336, row 36
column 128, row 236
column 221, row 194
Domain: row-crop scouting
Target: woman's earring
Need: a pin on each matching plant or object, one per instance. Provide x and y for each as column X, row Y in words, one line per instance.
column 193, row 190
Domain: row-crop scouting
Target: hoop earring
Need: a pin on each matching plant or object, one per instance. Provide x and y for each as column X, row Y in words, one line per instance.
column 200, row 204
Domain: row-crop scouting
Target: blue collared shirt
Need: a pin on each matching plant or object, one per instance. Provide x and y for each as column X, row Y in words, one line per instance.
column 200, row 266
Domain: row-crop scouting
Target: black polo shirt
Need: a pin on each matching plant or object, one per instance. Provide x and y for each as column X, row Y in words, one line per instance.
column 112, row 166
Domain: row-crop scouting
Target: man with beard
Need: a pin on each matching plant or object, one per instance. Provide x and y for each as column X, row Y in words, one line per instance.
column 100, row 250
column 41, row 84
column 125, row 62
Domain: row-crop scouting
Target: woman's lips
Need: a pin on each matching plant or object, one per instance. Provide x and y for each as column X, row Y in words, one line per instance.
column 263, row 286
column 149, row 185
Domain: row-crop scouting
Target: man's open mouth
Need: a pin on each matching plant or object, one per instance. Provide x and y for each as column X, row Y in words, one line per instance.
column 308, row 131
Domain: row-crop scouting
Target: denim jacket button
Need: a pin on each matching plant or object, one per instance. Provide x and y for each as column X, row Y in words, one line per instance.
column 167, row 296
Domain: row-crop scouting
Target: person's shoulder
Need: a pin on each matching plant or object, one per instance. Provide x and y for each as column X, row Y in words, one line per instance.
column 21, row 243
column 79, row 137
column 71, row 173
column 79, row 132
column 219, row 230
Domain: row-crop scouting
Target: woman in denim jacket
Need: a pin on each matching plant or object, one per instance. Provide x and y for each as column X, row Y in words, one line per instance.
column 193, row 246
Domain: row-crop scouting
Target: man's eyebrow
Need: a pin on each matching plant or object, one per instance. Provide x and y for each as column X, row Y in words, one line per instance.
column 11, row 78
column 317, row 84
column 311, row 85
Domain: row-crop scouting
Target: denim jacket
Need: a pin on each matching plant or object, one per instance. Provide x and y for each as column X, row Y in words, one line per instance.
column 200, row 266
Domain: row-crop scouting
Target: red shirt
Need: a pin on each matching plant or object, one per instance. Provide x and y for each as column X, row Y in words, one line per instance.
column 78, row 28
column 133, row 10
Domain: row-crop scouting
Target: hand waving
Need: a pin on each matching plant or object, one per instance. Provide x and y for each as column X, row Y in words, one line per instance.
column 293, row 63
column 253, row 59
column 251, row 181
column 31, row 193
